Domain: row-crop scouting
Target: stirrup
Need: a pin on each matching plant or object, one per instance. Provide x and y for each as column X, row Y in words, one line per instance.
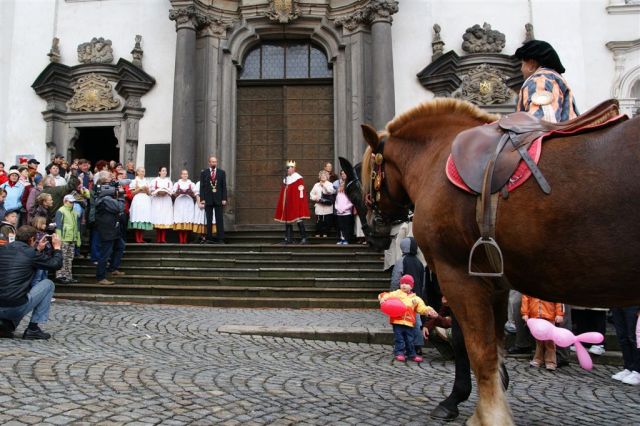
column 487, row 242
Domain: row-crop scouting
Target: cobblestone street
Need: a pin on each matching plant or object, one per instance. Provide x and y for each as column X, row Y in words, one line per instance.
column 131, row 364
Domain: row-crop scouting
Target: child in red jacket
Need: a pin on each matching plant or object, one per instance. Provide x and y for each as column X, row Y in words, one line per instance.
column 552, row 312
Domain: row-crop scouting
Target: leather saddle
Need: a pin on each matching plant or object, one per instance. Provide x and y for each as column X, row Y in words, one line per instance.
column 474, row 149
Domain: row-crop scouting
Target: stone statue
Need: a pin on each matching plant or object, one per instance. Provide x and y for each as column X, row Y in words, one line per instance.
column 97, row 51
column 54, row 53
column 437, row 45
column 483, row 39
column 436, row 32
column 528, row 27
column 137, row 52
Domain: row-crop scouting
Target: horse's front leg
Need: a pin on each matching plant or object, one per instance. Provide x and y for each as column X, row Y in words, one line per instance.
column 500, row 306
column 448, row 409
column 473, row 303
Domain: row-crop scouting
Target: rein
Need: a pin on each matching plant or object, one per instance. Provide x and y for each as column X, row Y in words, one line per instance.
column 379, row 186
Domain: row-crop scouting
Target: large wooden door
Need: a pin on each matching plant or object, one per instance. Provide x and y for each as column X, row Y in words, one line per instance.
column 276, row 124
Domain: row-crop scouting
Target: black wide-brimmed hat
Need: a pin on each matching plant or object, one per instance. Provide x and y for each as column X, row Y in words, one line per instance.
column 542, row 52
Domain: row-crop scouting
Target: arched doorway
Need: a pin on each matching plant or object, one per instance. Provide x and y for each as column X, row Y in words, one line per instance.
column 285, row 112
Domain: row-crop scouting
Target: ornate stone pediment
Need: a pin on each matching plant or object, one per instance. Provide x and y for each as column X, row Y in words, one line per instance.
column 92, row 93
column 96, row 51
column 482, row 39
column 484, row 85
column 283, row 11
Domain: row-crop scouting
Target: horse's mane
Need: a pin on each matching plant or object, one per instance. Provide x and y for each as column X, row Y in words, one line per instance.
column 437, row 106
column 440, row 106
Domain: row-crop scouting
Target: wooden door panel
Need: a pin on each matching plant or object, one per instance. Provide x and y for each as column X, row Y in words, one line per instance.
column 275, row 124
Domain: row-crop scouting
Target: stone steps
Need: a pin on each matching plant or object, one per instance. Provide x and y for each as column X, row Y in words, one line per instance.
column 257, row 247
column 248, row 271
column 222, row 291
column 237, row 272
column 379, row 284
column 229, row 302
column 219, row 261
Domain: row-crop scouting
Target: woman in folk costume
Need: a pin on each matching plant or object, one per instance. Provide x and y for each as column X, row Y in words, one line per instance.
column 199, row 218
column 140, row 210
column 184, row 190
column 293, row 205
column 545, row 93
column 161, row 205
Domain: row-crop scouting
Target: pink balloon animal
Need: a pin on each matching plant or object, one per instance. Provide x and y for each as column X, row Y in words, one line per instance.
column 544, row 330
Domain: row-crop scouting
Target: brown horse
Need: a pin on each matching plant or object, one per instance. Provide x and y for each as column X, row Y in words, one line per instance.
column 579, row 245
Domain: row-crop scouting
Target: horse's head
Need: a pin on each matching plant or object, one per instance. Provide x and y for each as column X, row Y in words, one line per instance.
column 379, row 197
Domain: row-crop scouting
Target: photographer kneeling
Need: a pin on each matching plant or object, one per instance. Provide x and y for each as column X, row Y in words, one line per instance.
column 17, row 296
column 108, row 210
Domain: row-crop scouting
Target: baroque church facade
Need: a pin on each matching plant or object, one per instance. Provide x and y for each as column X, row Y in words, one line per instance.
column 259, row 82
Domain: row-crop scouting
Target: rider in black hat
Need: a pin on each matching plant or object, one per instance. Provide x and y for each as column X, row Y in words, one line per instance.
column 544, row 93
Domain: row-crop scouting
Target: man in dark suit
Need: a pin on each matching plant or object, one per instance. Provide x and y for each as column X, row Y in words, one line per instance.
column 213, row 196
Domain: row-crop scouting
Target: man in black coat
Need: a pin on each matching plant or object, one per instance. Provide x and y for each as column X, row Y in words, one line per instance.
column 19, row 261
column 213, row 197
column 108, row 211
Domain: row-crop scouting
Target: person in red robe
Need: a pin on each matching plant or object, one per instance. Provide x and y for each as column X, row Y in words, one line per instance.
column 293, row 205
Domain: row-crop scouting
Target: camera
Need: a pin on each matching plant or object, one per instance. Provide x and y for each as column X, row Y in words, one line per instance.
column 110, row 189
column 50, row 229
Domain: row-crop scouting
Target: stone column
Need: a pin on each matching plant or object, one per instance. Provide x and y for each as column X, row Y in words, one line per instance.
column 183, row 147
column 208, row 89
column 382, row 61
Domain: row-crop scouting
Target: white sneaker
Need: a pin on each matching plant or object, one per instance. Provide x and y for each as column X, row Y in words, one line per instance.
column 621, row 375
column 632, row 379
column 596, row 349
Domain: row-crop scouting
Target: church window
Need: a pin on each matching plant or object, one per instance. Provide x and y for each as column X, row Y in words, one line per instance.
column 285, row 60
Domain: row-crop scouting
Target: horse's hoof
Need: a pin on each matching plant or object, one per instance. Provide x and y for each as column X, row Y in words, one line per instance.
column 443, row 413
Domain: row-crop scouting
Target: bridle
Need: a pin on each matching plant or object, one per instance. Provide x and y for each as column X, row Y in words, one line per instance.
column 379, row 186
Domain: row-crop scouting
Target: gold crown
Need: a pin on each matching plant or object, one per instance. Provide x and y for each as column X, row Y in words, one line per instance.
column 291, row 163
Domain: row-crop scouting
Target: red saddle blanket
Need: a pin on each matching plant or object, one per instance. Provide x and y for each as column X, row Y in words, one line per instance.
column 522, row 172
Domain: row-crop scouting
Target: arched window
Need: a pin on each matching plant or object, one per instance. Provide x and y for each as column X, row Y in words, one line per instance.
column 285, row 60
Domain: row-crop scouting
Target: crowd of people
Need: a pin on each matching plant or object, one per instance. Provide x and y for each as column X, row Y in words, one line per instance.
column 332, row 207
column 67, row 200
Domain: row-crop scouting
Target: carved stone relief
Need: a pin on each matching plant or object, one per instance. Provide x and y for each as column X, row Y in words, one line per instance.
column 131, row 151
column 283, row 11
column 92, row 93
column 96, row 51
column 376, row 10
column 182, row 15
column 484, row 85
column 382, row 9
column 215, row 27
column 483, row 39
column 353, row 21
column 132, row 128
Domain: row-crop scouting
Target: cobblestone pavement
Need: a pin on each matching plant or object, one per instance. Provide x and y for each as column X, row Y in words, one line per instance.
column 133, row 364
